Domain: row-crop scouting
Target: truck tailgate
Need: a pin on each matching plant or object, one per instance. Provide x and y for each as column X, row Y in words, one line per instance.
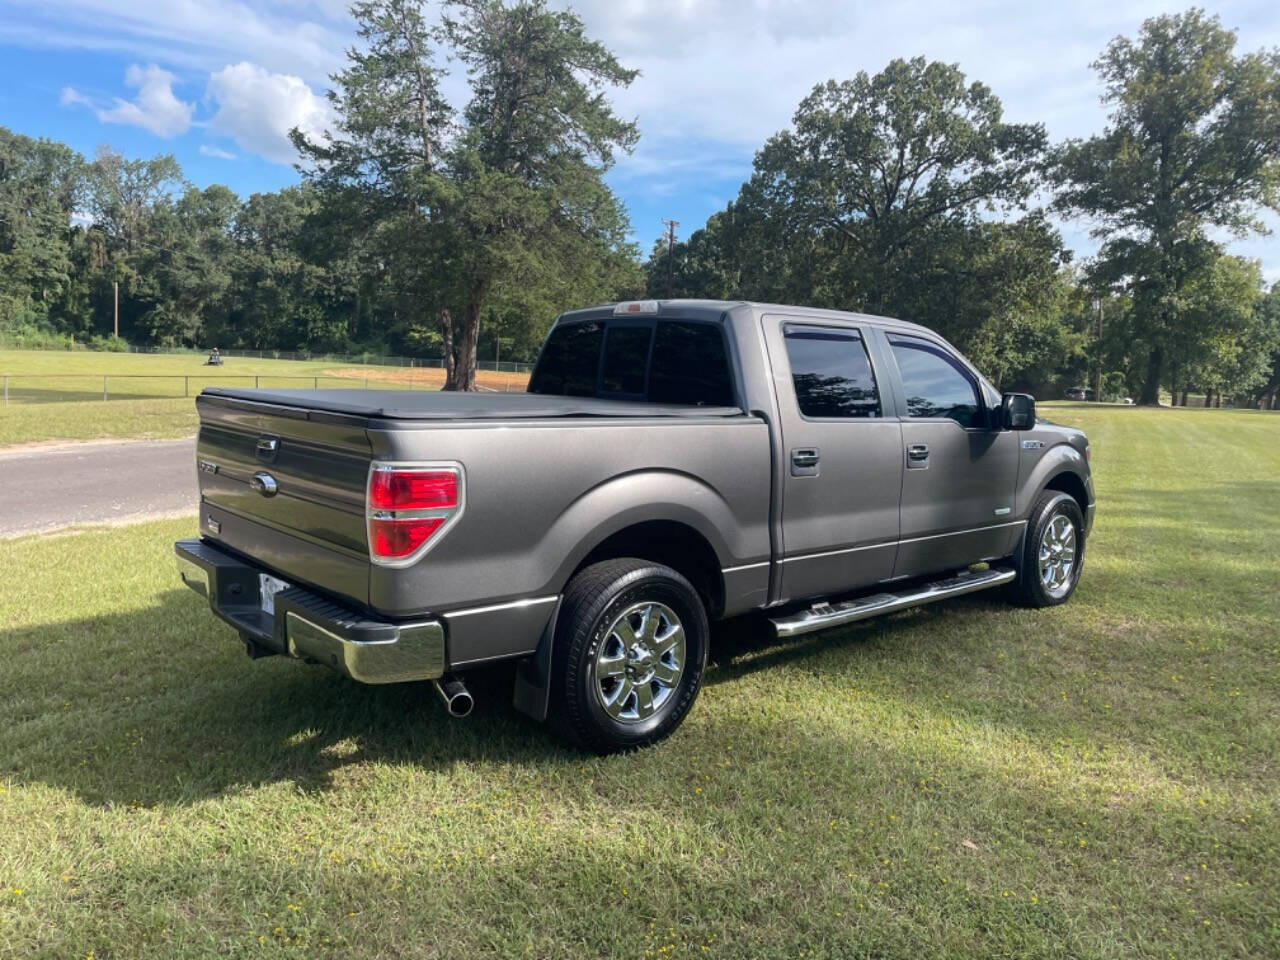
column 305, row 518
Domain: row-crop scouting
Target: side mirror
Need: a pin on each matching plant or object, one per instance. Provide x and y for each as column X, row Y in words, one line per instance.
column 1018, row 411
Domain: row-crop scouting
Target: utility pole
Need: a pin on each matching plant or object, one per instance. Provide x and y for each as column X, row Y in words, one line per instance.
column 115, row 290
column 1097, row 383
column 671, row 254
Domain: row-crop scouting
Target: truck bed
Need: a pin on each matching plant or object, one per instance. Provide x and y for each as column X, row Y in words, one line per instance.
column 547, row 478
column 438, row 405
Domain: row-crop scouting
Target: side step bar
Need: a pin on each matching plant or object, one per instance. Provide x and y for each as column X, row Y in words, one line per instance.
column 823, row 615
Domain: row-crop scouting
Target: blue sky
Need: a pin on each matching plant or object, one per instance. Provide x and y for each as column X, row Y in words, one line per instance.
column 219, row 82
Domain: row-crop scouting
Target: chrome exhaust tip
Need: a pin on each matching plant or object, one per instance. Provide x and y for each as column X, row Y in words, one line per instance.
column 457, row 698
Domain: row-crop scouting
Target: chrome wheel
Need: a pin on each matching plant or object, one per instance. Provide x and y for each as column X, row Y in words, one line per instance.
column 1057, row 555
column 640, row 662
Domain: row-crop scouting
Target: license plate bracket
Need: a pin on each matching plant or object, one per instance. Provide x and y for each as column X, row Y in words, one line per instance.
column 268, row 587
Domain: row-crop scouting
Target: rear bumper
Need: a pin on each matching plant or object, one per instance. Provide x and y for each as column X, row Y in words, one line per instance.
column 308, row 626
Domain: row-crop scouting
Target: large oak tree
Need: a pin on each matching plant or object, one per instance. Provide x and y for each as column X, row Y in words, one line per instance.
column 883, row 197
column 1192, row 144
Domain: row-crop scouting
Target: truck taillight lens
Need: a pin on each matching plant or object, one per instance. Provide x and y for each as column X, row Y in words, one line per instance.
column 392, row 489
column 408, row 507
column 394, row 539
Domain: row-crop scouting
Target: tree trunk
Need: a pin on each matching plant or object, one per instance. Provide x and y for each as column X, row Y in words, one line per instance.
column 1208, row 398
column 1150, row 395
column 465, row 371
column 1184, row 396
column 446, row 336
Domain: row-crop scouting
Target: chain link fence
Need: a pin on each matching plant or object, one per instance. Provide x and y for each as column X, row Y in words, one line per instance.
column 362, row 359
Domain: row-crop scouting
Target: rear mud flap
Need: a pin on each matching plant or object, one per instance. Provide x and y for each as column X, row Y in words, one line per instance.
column 532, row 694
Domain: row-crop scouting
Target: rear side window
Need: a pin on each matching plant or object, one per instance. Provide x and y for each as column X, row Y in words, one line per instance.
column 831, row 373
column 570, row 361
column 690, row 365
column 937, row 387
column 670, row 361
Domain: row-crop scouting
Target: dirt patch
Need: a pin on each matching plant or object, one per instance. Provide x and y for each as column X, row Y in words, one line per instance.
column 432, row 378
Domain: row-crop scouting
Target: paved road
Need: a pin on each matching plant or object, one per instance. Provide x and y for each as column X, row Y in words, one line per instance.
column 46, row 488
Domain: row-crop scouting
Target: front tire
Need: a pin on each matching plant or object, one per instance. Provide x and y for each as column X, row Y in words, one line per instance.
column 1052, row 551
column 631, row 649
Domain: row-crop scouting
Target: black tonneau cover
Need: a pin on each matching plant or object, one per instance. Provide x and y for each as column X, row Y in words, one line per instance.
column 438, row 405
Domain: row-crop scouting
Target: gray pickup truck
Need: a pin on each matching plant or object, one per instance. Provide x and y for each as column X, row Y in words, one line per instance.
column 672, row 463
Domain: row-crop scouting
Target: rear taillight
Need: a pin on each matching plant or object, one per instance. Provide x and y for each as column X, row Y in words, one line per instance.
column 409, row 506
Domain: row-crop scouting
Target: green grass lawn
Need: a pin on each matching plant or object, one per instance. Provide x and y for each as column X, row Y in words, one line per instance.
column 95, row 420
column 968, row 779
column 58, row 395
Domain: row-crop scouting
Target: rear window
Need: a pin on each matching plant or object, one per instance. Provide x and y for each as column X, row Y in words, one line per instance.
column 570, row 361
column 667, row 361
column 690, row 365
column 626, row 358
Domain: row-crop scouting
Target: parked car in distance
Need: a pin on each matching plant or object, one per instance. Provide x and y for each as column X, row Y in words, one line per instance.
column 1080, row 393
column 672, row 463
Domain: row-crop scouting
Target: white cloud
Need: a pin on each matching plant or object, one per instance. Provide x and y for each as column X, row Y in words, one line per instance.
column 71, row 97
column 304, row 37
column 155, row 108
column 258, row 108
column 216, row 152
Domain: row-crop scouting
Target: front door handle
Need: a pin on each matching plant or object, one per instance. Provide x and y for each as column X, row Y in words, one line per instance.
column 917, row 452
column 804, row 462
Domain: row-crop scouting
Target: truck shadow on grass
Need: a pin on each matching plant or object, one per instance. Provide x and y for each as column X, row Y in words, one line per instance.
column 161, row 706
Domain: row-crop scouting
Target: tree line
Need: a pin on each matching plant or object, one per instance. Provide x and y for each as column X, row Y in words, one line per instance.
column 429, row 228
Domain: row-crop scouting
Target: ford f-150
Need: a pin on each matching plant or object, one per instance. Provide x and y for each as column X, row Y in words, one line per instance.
column 672, row 463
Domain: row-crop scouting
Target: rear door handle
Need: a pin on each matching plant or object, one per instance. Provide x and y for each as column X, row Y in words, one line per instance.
column 804, row 462
column 917, row 452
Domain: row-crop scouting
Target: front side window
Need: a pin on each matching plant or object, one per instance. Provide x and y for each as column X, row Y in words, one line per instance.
column 937, row 387
column 570, row 361
column 831, row 373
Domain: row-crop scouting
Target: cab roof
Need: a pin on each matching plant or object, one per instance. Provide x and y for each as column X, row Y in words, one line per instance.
column 717, row 309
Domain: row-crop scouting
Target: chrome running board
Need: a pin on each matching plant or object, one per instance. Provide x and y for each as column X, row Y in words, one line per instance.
column 823, row 615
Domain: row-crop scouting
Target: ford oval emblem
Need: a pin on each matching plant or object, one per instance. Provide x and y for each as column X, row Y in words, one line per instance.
column 264, row 483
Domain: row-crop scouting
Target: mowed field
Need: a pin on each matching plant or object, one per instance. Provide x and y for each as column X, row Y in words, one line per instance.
column 965, row 780
column 57, row 395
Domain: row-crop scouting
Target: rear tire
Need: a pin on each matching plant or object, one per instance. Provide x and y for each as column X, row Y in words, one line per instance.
column 630, row 652
column 1052, row 554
